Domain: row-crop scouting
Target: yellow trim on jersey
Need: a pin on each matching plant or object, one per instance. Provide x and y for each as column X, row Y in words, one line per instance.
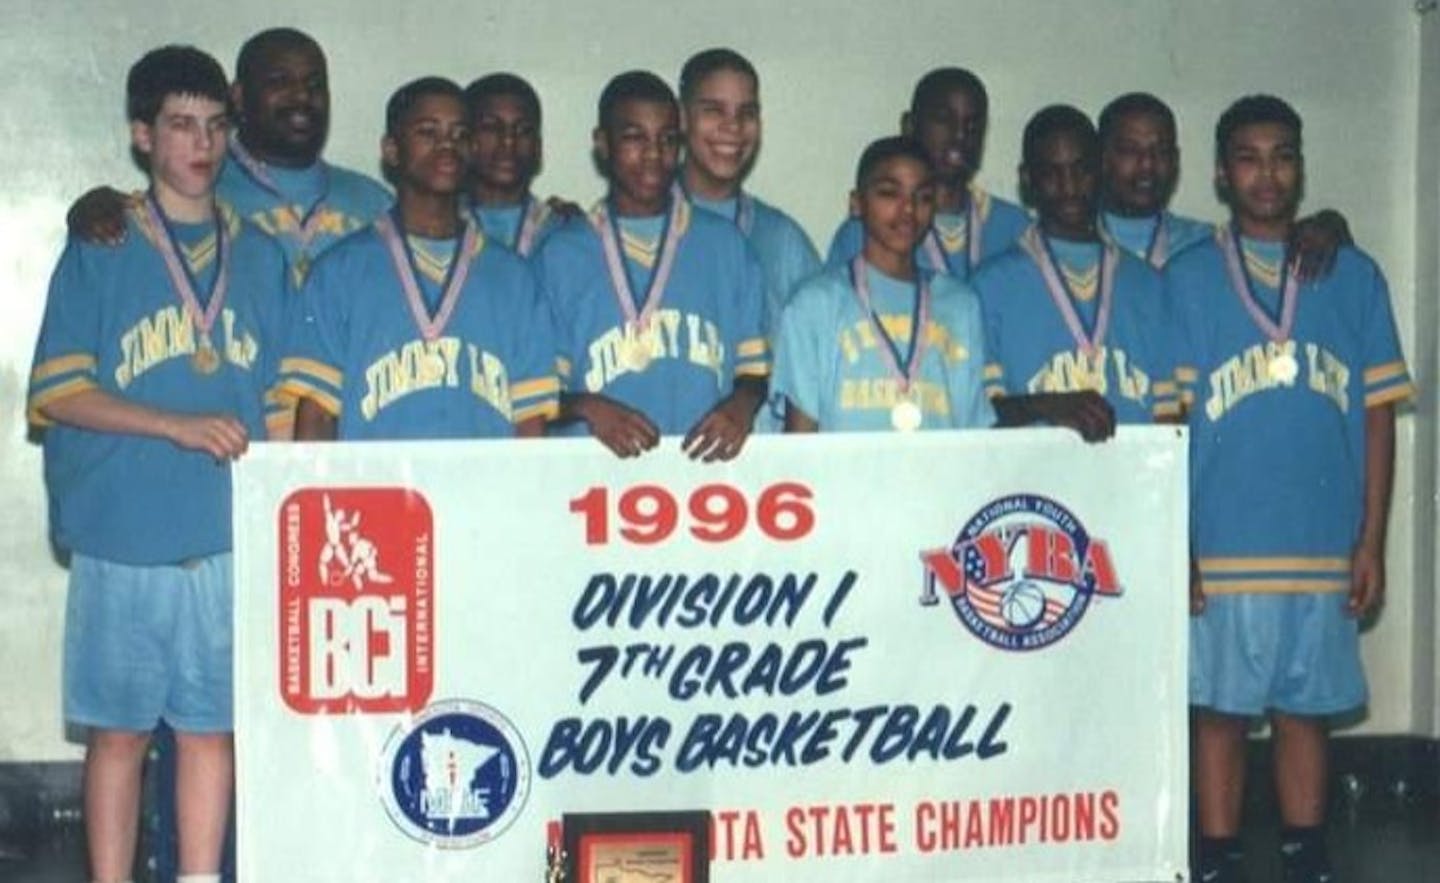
column 298, row 388
column 1399, row 393
column 1275, row 587
column 547, row 409
column 62, row 365
column 37, row 403
column 992, row 371
column 752, row 369
column 1186, row 375
column 995, row 392
column 319, row 370
column 526, row 389
column 1386, row 371
column 1166, row 409
column 748, row 349
column 1164, row 388
column 1247, row 565
column 280, row 426
column 562, row 366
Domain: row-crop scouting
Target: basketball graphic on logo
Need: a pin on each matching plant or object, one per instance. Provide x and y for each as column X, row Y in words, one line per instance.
column 1023, row 605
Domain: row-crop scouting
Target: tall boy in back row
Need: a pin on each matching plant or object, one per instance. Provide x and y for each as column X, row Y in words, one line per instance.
column 1291, row 389
column 658, row 308
column 150, row 373
column 949, row 114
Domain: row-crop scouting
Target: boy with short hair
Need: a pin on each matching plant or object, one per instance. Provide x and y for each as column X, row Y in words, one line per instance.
column 419, row 326
column 1291, row 388
column 505, row 156
column 658, row 308
column 720, row 104
column 1139, row 168
column 1076, row 329
column 882, row 343
column 151, row 373
column 949, row 113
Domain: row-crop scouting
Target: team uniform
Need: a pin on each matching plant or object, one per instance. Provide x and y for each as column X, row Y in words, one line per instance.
column 520, row 227
column 831, row 360
column 467, row 353
column 147, row 523
column 1277, row 417
column 787, row 258
column 306, row 210
column 1155, row 239
column 948, row 247
column 706, row 331
column 1099, row 325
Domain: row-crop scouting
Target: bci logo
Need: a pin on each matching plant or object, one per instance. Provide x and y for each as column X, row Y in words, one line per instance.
column 357, row 600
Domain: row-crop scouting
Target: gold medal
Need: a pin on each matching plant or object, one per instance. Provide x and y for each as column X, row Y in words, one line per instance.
column 636, row 350
column 205, row 360
column 906, row 415
column 1283, row 369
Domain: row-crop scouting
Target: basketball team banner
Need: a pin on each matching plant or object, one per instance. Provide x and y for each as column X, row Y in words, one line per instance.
column 936, row 656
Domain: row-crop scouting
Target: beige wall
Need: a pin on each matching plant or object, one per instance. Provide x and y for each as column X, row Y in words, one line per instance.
column 834, row 75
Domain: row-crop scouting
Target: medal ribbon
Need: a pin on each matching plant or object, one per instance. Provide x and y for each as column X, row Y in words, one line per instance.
column 1229, row 239
column 1034, row 244
column 181, row 280
column 306, row 227
column 919, row 321
column 532, row 217
column 604, row 225
column 430, row 326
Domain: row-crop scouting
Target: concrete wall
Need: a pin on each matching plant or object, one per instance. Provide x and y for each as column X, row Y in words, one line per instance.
column 835, row 74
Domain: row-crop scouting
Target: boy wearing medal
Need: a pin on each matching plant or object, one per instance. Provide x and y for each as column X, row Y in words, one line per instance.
column 505, row 151
column 419, row 326
column 720, row 106
column 1076, row 330
column 948, row 115
column 881, row 343
column 274, row 175
column 658, row 308
column 150, row 374
column 1291, row 388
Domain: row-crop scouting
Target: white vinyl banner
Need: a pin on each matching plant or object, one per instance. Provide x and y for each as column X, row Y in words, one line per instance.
column 928, row 657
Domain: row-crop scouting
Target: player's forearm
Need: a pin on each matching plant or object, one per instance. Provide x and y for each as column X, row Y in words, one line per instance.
column 100, row 411
column 1379, row 474
column 313, row 423
column 1017, row 410
column 748, row 395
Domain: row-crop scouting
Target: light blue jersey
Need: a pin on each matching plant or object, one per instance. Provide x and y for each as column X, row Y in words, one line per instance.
column 306, row 210
column 1278, row 454
column 1155, row 239
column 520, row 227
column 787, row 257
column 1032, row 348
column 1277, row 469
column 469, row 368
column 947, row 248
column 831, row 363
column 708, row 330
column 114, row 323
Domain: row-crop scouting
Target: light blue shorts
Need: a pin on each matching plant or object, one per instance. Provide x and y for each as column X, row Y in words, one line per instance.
column 145, row 643
column 1293, row 653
